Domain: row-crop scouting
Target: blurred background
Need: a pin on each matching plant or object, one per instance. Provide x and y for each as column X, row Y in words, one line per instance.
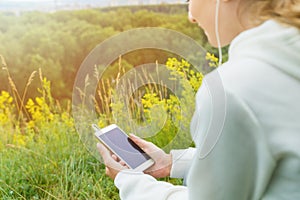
column 42, row 45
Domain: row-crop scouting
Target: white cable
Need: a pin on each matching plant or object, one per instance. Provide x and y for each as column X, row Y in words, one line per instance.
column 217, row 31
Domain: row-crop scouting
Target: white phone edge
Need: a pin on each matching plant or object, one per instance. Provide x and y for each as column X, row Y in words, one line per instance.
column 98, row 132
column 144, row 166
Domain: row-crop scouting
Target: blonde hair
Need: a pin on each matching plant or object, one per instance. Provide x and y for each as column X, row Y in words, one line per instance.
column 283, row 11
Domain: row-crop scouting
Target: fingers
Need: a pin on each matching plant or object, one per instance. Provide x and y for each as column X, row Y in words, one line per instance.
column 112, row 164
column 103, row 150
column 107, row 156
column 118, row 160
column 123, row 163
column 115, row 157
column 105, row 153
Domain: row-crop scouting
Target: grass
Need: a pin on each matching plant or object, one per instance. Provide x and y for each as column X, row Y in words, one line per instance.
column 41, row 154
column 60, row 168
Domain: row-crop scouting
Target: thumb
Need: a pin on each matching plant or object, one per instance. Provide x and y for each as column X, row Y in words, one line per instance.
column 146, row 146
column 140, row 142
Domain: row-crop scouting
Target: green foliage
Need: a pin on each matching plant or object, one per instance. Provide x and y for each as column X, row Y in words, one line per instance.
column 41, row 154
column 166, row 113
column 58, row 42
column 59, row 168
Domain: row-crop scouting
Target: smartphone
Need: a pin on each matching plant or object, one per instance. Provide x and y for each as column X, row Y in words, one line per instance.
column 118, row 142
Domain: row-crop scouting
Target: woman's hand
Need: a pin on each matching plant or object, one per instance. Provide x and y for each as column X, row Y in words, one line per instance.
column 112, row 163
column 163, row 161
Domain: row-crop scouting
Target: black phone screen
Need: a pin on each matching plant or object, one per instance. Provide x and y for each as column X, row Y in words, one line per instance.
column 126, row 149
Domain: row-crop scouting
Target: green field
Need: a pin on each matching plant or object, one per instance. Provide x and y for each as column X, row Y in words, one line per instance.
column 42, row 156
column 41, row 153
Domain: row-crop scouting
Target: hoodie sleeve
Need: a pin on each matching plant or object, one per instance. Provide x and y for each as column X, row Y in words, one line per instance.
column 181, row 161
column 137, row 186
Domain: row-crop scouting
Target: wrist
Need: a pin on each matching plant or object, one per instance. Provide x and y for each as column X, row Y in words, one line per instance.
column 168, row 164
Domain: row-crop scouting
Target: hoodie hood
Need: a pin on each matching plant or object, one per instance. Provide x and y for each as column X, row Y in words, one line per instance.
column 273, row 43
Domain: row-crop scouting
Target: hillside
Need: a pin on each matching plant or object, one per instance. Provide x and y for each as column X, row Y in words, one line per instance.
column 58, row 42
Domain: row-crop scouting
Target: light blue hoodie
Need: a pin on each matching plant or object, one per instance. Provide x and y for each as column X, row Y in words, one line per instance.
column 246, row 127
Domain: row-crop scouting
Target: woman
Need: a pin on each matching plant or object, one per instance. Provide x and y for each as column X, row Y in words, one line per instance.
column 257, row 153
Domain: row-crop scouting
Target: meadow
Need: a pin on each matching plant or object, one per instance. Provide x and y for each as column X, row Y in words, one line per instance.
column 42, row 155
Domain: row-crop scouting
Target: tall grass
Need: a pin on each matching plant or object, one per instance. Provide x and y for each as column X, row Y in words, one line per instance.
column 41, row 154
column 59, row 169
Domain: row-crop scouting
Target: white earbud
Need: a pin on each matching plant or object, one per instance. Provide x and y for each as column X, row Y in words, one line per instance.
column 217, row 31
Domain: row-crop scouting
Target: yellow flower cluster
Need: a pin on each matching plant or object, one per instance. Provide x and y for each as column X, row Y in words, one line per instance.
column 183, row 70
column 172, row 103
column 19, row 125
column 213, row 61
column 7, row 117
column 101, row 123
column 19, row 139
column 6, row 107
column 177, row 67
column 39, row 110
column 188, row 77
column 149, row 100
column 67, row 119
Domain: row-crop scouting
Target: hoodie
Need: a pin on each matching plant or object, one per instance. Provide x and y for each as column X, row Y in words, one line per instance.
column 246, row 127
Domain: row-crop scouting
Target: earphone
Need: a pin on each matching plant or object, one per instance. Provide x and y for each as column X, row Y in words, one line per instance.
column 217, row 31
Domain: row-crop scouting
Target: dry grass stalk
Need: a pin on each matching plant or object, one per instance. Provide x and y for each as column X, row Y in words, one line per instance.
column 109, row 96
column 165, row 89
column 68, row 106
column 41, row 75
column 156, row 90
column 98, row 110
column 103, row 86
column 101, row 99
column 3, row 61
column 14, row 90
column 119, row 71
column 12, row 84
column 15, row 93
column 58, row 106
column 96, row 73
column 30, row 79
column 81, row 93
